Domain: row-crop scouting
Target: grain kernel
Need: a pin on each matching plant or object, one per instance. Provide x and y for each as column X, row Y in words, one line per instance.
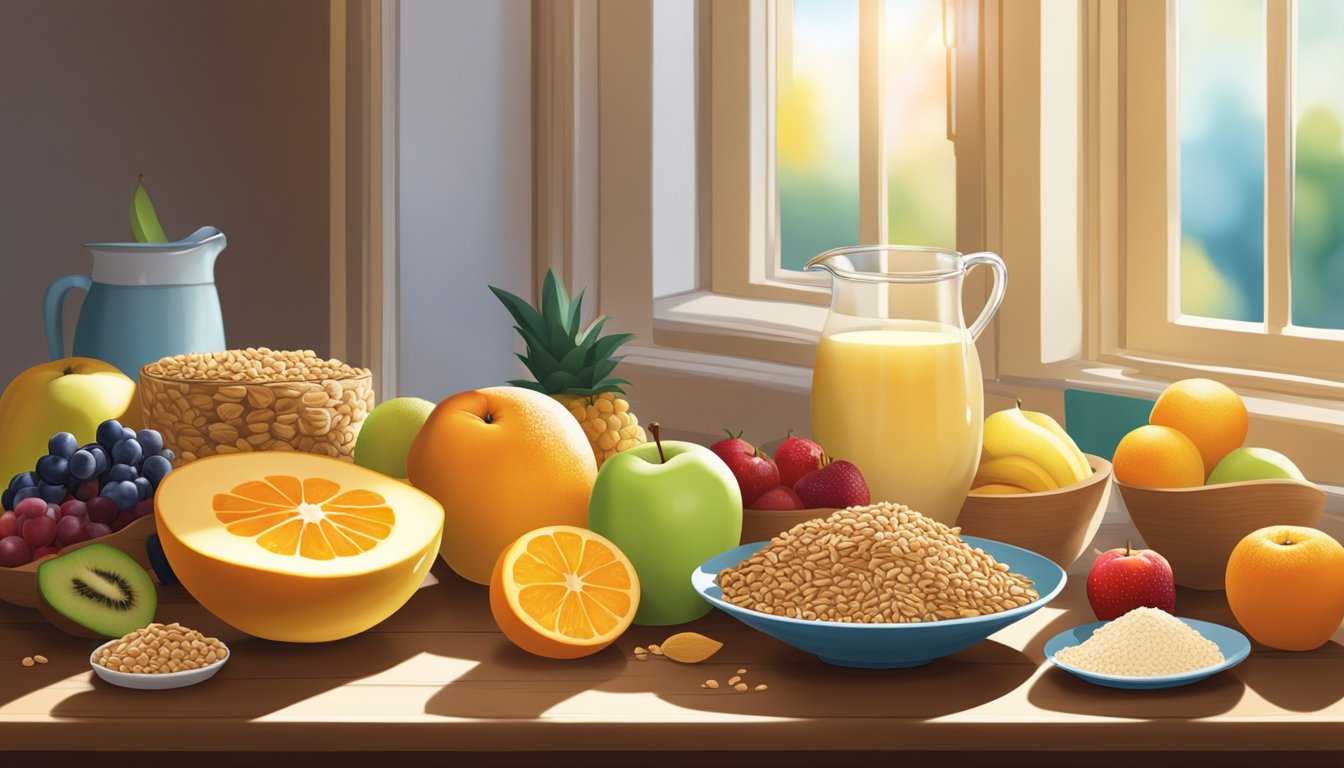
column 28, row 661
column 740, row 687
column 711, row 684
column 762, row 687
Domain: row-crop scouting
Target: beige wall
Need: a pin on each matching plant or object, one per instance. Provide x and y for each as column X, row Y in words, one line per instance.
column 223, row 106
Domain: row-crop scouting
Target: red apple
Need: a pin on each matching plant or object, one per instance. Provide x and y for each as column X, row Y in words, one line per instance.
column 1124, row 579
column 797, row 456
column 756, row 472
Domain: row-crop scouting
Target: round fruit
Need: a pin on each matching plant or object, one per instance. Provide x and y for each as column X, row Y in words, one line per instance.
column 9, row 524
column 1285, row 585
column 387, row 433
column 38, row 531
column 62, row 444
column 502, row 461
column 1158, row 457
column 296, row 547
column 14, row 551
column 30, row 507
column 1206, row 411
column 101, row 510
column 563, row 592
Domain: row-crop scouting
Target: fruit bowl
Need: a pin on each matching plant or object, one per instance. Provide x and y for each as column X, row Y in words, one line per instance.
column 1058, row 524
column 1197, row 528
column 18, row 585
column 885, row 646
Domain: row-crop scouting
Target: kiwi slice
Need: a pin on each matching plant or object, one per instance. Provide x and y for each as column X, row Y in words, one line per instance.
column 98, row 589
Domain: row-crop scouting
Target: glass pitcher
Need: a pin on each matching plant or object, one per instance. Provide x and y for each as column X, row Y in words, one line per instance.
column 897, row 388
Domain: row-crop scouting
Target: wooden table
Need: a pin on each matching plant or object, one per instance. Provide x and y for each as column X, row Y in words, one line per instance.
column 437, row 676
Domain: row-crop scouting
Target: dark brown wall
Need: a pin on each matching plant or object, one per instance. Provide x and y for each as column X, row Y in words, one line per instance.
column 223, row 105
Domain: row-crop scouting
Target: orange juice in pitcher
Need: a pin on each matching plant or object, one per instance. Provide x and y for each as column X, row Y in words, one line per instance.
column 897, row 387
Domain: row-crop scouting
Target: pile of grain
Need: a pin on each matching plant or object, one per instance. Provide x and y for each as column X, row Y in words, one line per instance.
column 1143, row 643
column 879, row 564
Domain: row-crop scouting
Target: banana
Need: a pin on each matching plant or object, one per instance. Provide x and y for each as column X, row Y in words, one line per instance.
column 1011, row 433
column 1015, row 470
column 144, row 222
column 997, row 489
column 1079, row 460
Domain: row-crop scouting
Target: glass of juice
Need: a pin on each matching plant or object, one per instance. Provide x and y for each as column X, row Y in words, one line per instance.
column 897, row 388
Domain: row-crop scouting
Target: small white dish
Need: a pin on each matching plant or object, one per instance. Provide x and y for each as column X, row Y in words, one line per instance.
column 155, row 682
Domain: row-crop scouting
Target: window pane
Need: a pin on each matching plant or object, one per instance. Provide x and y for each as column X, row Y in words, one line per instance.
column 817, row 128
column 921, row 168
column 1318, row 193
column 1222, row 133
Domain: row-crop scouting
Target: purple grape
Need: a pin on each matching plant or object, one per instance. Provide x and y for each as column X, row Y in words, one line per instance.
column 7, row 498
column 168, row 454
column 102, row 510
column 150, row 440
column 155, row 469
column 23, row 480
column 71, row 530
column 83, row 465
column 14, row 551
column 127, row 452
column 123, row 493
column 95, row 530
column 53, row 470
column 120, row 472
column 109, row 432
column 39, row 531
column 52, row 494
column 25, row 493
column 62, row 444
column 145, row 487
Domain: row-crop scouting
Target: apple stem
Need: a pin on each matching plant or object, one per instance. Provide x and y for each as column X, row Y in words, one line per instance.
column 1128, row 551
column 1019, row 403
column 69, row 369
column 658, row 441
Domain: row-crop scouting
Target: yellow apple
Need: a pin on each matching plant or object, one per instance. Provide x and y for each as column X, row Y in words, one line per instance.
column 74, row 394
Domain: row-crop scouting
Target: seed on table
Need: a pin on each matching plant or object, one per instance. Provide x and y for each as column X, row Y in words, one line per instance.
column 734, row 680
column 40, row 659
column 27, row 661
column 656, row 650
column 740, row 687
column 742, row 671
column 710, row 684
column 762, row 687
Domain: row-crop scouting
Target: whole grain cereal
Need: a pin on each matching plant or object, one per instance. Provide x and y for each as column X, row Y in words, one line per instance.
column 1143, row 643
column 880, row 564
column 160, row 649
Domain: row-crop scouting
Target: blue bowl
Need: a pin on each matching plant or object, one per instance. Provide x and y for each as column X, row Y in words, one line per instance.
column 1234, row 646
column 885, row 646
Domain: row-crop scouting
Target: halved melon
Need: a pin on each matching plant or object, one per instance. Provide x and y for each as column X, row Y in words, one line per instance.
column 296, row 547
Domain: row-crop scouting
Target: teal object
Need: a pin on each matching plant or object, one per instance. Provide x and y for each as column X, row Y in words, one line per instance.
column 1097, row 421
column 885, row 646
column 143, row 301
column 1233, row 645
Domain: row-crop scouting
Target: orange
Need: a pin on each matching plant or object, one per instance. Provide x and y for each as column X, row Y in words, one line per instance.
column 563, row 592
column 1158, row 457
column 1285, row 585
column 1206, row 411
column 296, row 547
column 502, row 461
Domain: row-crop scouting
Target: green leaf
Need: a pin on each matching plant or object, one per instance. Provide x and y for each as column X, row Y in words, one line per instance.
column 606, row 346
column 539, row 352
column 144, row 221
column 593, row 332
column 523, row 313
column 531, row 367
column 603, row 368
column 610, row 385
column 573, row 359
column 561, row 381
column 525, row 384
column 575, row 310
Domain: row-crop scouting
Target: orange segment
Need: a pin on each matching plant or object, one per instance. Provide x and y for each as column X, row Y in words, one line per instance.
column 563, row 592
column 287, row 516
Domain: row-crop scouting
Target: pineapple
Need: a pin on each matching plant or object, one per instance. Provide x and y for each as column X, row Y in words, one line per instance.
column 574, row 366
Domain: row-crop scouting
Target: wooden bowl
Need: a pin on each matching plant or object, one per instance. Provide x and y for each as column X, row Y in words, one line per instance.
column 765, row 524
column 1058, row 524
column 19, row 585
column 1197, row 528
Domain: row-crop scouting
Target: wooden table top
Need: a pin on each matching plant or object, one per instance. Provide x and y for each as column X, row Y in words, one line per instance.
column 439, row 676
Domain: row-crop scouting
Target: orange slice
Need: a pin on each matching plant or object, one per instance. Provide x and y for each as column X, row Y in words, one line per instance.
column 563, row 592
column 311, row 518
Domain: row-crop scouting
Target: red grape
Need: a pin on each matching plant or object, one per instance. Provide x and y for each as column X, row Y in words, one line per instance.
column 68, row 496
column 145, row 507
column 97, row 530
column 102, row 510
column 74, row 508
column 70, row 530
column 54, row 511
column 31, row 507
column 123, row 519
column 87, row 490
column 9, row 524
column 39, row 531
column 14, row 551
column 42, row 552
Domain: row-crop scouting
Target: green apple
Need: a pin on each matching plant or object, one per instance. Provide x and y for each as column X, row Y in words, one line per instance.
column 669, row 506
column 1254, row 464
column 387, row 433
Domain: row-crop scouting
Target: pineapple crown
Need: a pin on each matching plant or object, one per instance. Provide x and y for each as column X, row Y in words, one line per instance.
column 562, row 358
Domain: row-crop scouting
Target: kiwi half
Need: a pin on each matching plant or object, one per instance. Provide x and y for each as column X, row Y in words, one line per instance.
column 96, row 590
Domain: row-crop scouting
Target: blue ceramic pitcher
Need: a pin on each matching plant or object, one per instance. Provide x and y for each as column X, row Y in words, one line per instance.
column 143, row 301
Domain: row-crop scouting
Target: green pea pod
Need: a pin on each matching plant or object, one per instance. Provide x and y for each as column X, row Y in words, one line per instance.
column 144, row 222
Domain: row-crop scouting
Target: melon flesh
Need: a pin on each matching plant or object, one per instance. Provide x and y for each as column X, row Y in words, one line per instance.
column 296, row 547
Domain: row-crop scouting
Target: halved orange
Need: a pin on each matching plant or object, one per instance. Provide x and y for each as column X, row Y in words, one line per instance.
column 563, row 592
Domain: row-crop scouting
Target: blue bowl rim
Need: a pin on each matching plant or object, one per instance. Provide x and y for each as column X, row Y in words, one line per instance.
column 1243, row 650
column 975, row 541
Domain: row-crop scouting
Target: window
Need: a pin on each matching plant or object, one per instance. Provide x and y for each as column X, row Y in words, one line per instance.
column 1235, row 184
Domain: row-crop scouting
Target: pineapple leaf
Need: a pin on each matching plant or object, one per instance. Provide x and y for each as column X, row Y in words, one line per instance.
column 561, row 381
column 601, row 369
column 555, row 310
column 575, row 310
column 606, row 346
column 538, row 351
column 525, row 384
column 531, row 367
column 573, row 359
column 523, row 313
column 593, row 332
column 609, row 385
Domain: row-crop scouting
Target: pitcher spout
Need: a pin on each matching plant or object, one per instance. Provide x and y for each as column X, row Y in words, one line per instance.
column 189, row 261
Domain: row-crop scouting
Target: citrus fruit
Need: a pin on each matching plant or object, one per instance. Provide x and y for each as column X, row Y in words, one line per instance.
column 1158, row 457
column 293, row 546
column 502, row 461
column 1206, row 411
column 563, row 592
column 1285, row 585
column 387, row 433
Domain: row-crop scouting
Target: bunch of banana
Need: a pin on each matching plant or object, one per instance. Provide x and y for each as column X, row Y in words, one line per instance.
column 1027, row 452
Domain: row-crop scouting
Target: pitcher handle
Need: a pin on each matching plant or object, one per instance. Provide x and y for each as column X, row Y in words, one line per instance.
column 52, row 305
column 996, row 293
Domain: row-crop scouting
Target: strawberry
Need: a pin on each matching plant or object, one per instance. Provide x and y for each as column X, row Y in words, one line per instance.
column 797, row 456
column 780, row 497
column 756, row 472
column 837, row 485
